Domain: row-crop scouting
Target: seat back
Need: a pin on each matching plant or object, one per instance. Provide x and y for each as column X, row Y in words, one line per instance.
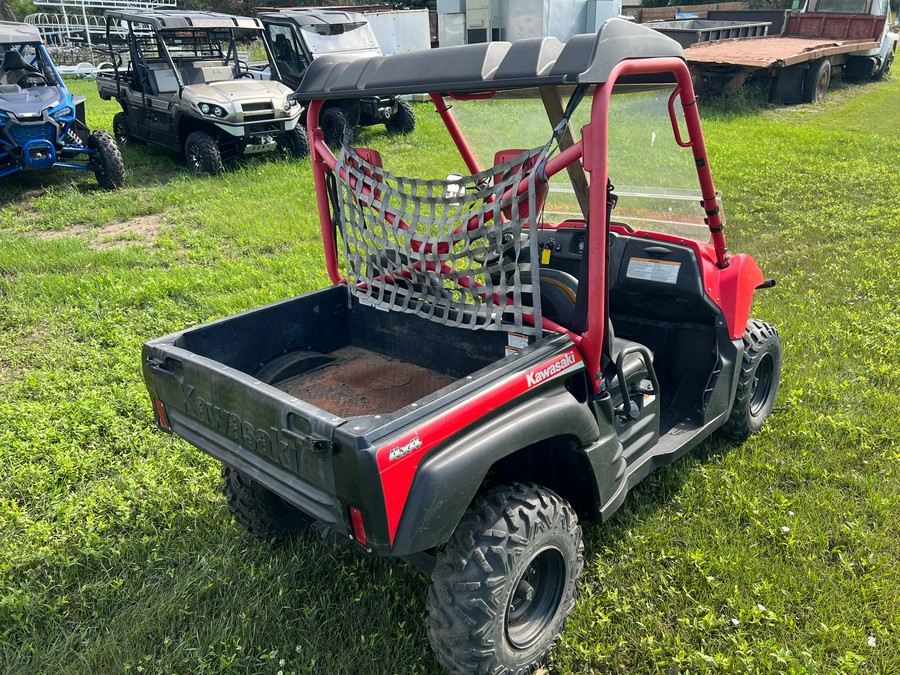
column 502, row 156
column 558, row 293
column 12, row 60
column 162, row 79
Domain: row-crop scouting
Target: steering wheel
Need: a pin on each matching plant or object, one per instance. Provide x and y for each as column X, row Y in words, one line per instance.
column 244, row 70
column 34, row 79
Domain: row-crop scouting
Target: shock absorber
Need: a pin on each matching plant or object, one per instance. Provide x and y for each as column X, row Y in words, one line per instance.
column 71, row 138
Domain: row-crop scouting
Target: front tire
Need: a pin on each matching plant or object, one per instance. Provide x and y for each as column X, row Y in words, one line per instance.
column 106, row 160
column 294, row 143
column 202, row 154
column 259, row 510
column 758, row 381
column 404, row 120
column 504, row 584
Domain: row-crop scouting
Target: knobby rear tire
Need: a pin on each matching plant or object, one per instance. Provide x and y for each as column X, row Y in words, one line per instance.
column 259, row 510
column 120, row 129
column 505, row 583
column 334, row 126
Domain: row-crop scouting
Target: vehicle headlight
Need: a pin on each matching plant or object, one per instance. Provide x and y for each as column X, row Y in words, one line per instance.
column 213, row 109
column 286, row 106
column 63, row 114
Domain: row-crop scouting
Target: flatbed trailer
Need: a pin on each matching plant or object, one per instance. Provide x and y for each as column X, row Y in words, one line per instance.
column 798, row 63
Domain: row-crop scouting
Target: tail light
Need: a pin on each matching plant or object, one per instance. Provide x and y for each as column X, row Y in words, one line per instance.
column 161, row 414
column 359, row 529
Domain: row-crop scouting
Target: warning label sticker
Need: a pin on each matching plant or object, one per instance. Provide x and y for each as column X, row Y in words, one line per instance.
column 663, row 271
column 517, row 340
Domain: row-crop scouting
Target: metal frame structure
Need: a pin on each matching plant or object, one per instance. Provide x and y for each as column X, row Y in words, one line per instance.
column 63, row 20
column 731, row 279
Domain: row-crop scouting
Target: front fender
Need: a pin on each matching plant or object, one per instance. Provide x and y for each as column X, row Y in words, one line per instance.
column 737, row 284
column 448, row 480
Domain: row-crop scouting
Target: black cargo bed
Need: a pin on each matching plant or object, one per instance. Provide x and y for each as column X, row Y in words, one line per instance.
column 359, row 381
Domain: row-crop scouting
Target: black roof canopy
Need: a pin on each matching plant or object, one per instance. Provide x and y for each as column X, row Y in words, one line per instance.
column 312, row 17
column 535, row 62
column 174, row 19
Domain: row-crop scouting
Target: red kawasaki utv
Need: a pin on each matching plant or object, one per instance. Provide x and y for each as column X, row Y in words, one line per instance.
column 484, row 375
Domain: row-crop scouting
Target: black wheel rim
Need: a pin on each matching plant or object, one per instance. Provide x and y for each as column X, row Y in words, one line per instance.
column 762, row 384
column 193, row 158
column 120, row 131
column 535, row 598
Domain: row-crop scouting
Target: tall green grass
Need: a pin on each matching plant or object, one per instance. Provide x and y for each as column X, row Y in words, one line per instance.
column 116, row 550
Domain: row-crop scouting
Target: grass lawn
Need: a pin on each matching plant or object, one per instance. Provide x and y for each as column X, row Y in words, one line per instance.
column 117, row 553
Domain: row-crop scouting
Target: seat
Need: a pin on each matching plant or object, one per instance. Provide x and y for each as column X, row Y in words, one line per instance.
column 542, row 187
column 162, row 79
column 13, row 68
column 558, row 293
column 285, row 55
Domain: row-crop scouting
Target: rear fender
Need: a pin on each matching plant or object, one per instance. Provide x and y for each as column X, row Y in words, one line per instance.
column 448, row 480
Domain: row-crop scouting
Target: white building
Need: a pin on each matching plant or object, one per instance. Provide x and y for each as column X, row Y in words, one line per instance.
column 471, row 21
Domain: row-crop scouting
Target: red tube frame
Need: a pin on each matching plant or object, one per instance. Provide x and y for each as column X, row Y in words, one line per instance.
column 595, row 136
column 592, row 150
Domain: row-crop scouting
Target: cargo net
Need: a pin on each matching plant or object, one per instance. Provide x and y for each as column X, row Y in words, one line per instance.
column 455, row 251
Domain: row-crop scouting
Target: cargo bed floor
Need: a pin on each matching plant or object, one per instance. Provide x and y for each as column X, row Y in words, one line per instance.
column 361, row 382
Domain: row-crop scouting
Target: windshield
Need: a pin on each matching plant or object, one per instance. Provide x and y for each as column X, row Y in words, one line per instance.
column 27, row 65
column 846, row 6
column 324, row 38
column 655, row 179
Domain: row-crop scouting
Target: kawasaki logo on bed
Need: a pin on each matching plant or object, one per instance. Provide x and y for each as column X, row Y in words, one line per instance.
column 544, row 373
column 269, row 443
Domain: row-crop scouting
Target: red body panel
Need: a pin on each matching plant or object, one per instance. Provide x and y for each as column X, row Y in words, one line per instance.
column 399, row 459
column 730, row 288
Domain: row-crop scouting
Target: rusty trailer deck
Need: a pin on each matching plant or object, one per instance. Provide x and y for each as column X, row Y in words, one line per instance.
column 771, row 52
column 363, row 382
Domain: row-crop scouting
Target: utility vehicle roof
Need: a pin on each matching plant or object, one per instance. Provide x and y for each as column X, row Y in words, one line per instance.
column 535, row 62
column 174, row 19
column 13, row 32
column 311, row 17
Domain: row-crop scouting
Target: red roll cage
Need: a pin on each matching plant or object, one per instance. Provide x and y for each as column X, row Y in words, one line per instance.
column 591, row 152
